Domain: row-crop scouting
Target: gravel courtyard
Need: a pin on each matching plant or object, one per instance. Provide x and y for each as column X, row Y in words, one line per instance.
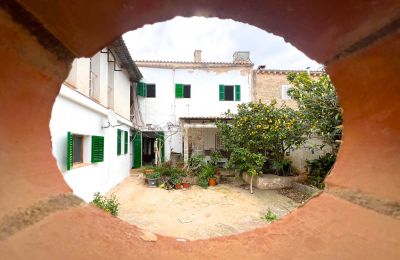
column 197, row 213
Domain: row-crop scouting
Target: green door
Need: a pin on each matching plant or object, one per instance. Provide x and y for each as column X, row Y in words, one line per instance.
column 137, row 150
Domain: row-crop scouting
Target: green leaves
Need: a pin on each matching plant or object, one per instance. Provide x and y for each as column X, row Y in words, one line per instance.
column 318, row 106
column 260, row 132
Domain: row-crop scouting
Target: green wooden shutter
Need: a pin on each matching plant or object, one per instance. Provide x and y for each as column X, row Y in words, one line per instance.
column 179, row 90
column 141, row 89
column 97, row 149
column 237, row 92
column 70, row 149
column 161, row 144
column 126, row 143
column 221, row 92
column 137, row 150
column 138, row 89
column 119, row 142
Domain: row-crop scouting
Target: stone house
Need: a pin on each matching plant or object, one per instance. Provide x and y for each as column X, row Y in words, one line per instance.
column 90, row 122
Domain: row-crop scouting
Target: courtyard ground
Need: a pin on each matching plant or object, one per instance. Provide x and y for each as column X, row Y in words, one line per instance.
column 197, row 213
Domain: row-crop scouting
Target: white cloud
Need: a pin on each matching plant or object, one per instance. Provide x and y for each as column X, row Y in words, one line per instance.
column 218, row 39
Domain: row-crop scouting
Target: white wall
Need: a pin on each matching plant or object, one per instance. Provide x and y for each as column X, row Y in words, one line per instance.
column 204, row 101
column 73, row 112
column 122, row 93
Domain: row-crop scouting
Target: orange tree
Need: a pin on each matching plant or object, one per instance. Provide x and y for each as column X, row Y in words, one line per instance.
column 261, row 130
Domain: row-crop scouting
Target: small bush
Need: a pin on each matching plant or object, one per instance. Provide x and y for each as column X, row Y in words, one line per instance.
column 319, row 168
column 270, row 216
column 154, row 175
column 196, row 163
column 109, row 205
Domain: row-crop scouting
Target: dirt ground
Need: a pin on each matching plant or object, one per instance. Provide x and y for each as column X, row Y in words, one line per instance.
column 197, row 213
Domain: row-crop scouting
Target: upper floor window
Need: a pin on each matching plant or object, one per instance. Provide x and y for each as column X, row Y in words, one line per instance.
column 182, row 91
column 146, row 90
column 151, row 90
column 285, row 95
column 229, row 92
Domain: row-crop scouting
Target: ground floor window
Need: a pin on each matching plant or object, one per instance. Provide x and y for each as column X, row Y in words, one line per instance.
column 78, row 149
column 83, row 149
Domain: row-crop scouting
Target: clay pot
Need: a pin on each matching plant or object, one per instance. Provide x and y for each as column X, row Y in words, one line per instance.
column 212, row 182
column 186, row 185
column 148, row 171
column 178, row 186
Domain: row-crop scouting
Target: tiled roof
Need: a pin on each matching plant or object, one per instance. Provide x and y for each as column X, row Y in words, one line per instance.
column 277, row 71
column 195, row 63
column 204, row 117
column 125, row 59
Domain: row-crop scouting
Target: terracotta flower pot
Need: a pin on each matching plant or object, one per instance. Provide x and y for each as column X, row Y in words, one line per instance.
column 186, row 185
column 212, row 182
column 177, row 186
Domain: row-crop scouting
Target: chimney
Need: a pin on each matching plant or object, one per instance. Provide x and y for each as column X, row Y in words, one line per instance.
column 241, row 57
column 197, row 56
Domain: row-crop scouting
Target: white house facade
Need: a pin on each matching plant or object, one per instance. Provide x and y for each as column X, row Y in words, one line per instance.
column 91, row 124
column 181, row 100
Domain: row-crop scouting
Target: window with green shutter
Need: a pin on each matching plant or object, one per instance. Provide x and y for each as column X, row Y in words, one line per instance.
column 182, row 90
column 97, row 149
column 126, row 142
column 229, row 92
column 221, row 92
column 141, row 89
column 237, row 92
column 179, row 90
column 70, row 147
column 119, row 134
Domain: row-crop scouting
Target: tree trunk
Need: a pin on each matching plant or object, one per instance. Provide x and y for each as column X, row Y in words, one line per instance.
column 251, row 184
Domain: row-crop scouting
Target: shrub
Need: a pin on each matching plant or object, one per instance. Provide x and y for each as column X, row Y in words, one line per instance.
column 109, row 205
column 196, row 163
column 270, row 216
column 207, row 172
column 154, row 175
column 319, row 168
column 282, row 167
column 216, row 156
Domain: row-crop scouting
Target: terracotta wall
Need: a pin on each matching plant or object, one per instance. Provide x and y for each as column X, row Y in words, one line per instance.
column 356, row 218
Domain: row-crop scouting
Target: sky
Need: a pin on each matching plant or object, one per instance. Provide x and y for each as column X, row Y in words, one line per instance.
column 176, row 40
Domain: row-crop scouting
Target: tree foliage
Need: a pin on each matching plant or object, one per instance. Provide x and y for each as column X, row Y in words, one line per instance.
column 318, row 106
column 260, row 131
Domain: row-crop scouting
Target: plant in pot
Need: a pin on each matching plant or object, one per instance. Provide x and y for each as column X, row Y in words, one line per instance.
column 175, row 180
column 185, row 180
column 207, row 176
column 152, row 179
column 216, row 156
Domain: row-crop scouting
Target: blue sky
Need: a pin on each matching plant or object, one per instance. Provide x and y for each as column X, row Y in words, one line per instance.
column 218, row 39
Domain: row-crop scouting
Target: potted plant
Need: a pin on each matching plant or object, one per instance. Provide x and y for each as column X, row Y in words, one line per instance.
column 175, row 179
column 152, row 179
column 216, row 156
column 185, row 180
column 207, row 176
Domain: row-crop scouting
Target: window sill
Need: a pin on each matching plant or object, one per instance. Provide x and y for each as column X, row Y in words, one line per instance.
column 80, row 165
